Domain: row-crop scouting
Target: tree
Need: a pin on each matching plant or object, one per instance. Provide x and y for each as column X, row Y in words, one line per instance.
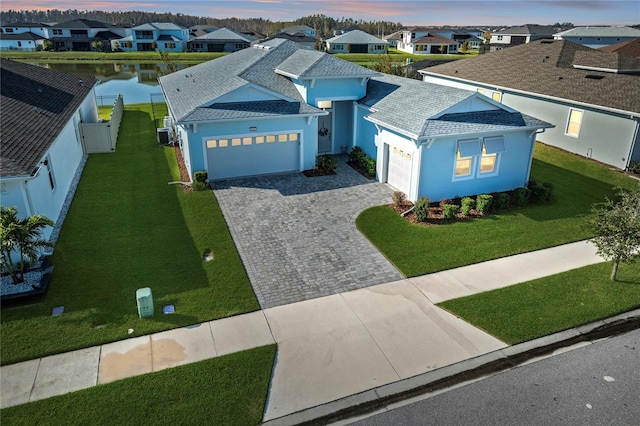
column 617, row 228
column 171, row 66
column 97, row 45
column 21, row 236
column 385, row 64
column 465, row 47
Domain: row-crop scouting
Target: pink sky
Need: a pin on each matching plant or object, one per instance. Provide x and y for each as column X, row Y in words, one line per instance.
column 408, row 12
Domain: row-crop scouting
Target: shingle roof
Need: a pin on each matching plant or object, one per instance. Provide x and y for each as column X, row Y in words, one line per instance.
column 160, row 26
column 24, row 24
column 356, row 37
column 433, row 39
column 81, row 23
column 190, row 89
column 546, row 67
column 256, row 109
column 298, row 37
column 423, row 102
column 21, row 36
column 296, row 28
column 629, row 48
column 600, row 32
column 36, row 105
column 225, row 34
column 528, row 29
column 313, row 64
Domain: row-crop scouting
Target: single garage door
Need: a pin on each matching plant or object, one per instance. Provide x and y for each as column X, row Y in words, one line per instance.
column 252, row 155
column 399, row 172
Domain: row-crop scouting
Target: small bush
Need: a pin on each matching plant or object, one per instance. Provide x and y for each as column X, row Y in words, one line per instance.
column 521, row 196
column 483, row 203
column 399, row 198
column 421, row 209
column 466, row 205
column 444, row 201
column 502, row 201
column 370, row 166
column 200, row 186
column 200, row 176
column 540, row 193
column 326, row 164
column 550, row 194
column 449, row 211
column 634, row 167
column 357, row 155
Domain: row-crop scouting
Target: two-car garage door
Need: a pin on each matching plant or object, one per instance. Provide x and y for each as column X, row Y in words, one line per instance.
column 231, row 157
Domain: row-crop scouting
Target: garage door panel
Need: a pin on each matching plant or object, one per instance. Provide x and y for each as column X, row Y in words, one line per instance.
column 399, row 171
column 236, row 157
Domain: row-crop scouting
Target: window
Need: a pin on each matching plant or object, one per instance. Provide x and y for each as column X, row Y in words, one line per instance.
column 481, row 91
column 211, row 143
column 8, row 30
column 57, row 32
column 464, row 156
column 487, row 152
column 271, row 138
column 496, row 96
column 223, row 143
column 247, row 141
column 259, row 139
column 235, row 142
column 499, row 38
column 170, row 45
column 52, row 181
column 282, row 138
column 574, row 123
column 19, row 43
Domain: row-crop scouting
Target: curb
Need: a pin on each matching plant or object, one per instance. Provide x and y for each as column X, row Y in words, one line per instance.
column 377, row 399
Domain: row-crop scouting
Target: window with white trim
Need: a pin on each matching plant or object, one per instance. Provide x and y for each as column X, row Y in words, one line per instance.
column 574, row 122
column 250, row 140
column 465, row 153
column 491, row 147
column 496, row 96
column 52, row 180
column 478, row 158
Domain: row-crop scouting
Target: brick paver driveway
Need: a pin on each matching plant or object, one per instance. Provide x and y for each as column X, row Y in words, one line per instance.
column 297, row 235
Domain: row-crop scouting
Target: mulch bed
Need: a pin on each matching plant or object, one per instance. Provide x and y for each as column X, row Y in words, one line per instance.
column 435, row 216
column 360, row 170
column 184, row 174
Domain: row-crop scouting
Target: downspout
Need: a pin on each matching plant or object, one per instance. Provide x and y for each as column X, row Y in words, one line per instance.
column 636, row 135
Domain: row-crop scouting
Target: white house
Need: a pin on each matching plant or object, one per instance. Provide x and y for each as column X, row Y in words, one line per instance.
column 592, row 97
column 42, row 149
column 156, row 36
column 420, row 40
column 79, row 34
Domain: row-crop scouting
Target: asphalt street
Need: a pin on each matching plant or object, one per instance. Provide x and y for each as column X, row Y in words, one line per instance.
column 597, row 384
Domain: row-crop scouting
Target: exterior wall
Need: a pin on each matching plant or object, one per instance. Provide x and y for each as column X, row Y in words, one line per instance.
column 21, row 45
column 342, row 125
column 365, row 132
column 8, row 29
column 339, row 47
column 438, row 166
column 333, row 89
column 605, row 137
column 596, row 42
column 13, row 195
column 308, row 135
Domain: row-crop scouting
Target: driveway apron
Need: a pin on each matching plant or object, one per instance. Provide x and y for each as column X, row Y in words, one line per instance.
column 297, row 235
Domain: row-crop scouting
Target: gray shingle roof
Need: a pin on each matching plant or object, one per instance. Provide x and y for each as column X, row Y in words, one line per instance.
column 225, row 34
column 545, row 67
column 190, row 89
column 356, row 37
column 258, row 109
column 413, row 107
column 528, row 29
column 313, row 64
column 36, row 105
column 81, row 23
column 21, row 36
column 433, row 39
column 160, row 26
column 600, row 32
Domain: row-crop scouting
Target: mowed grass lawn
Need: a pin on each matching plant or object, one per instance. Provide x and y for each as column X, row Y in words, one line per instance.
column 127, row 229
column 230, row 390
column 578, row 183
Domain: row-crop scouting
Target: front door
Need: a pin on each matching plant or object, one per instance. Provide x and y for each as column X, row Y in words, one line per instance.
column 324, row 133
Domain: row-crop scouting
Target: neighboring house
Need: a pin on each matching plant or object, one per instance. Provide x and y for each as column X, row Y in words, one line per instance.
column 276, row 106
column 356, row 41
column 79, row 34
column 590, row 96
column 311, row 32
column 596, row 37
column 26, row 42
column 425, row 41
column 42, row 150
column 300, row 38
column 393, row 38
column 519, row 35
column 198, row 30
column 37, row 28
column 474, row 41
column 220, row 40
column 155, row 36
column 629, row 48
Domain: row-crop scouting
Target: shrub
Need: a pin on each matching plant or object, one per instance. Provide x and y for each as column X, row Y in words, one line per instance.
column 521, row 196
column 399, row 198
column 466, row 205
column 370, row 166
column 449, row 211
column 357, row 155
column 421, row 209
column 502, row 200
column 326, row 164
column 540, row 193
column 200, row 186
column 550, row 194
column 483, row 203
column 200, row 176
column 634, row 167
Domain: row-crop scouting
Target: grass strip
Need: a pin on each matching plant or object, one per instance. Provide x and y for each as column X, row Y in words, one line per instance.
column 229, row 390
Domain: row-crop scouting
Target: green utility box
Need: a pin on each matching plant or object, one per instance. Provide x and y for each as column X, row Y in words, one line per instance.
column 145, row 302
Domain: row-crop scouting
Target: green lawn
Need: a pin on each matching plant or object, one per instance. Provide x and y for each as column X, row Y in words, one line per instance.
column 537, row 308
column 128, row 229
column 417, row 250
column 230, row 390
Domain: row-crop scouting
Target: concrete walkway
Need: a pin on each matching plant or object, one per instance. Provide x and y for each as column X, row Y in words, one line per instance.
column 328, row 347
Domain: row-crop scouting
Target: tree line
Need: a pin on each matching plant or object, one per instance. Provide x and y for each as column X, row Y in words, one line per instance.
column 324, row 25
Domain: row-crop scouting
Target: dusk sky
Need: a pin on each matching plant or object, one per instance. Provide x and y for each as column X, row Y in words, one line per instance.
column 408, row 12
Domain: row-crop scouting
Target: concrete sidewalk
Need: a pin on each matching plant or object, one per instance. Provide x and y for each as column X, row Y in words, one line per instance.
column 328, row 348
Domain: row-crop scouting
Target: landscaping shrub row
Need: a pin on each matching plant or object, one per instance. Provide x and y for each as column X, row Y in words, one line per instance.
column 475, row 206
column 362, row 163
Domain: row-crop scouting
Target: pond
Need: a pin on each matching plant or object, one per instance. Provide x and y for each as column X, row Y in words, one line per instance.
column 137, row 82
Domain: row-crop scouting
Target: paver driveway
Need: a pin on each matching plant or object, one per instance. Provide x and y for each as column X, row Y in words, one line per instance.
column 297, row 235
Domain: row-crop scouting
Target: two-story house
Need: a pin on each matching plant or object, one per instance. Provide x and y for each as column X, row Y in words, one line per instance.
column 420, row 40
column 597, row 37
column 23, row 36
column 522, row 34
column 154, row 36
column 80, row 35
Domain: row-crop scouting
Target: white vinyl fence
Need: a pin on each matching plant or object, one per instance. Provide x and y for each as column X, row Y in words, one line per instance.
column 102, row 137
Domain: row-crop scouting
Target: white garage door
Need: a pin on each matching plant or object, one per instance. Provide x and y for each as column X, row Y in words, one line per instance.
column 399, row 172
column 252, row 155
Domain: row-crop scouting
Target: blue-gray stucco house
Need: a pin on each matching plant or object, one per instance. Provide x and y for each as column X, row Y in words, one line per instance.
column 274, row 107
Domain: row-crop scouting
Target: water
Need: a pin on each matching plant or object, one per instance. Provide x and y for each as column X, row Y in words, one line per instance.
column 137, row 82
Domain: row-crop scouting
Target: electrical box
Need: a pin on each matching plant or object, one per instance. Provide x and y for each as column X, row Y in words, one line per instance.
column 145, row 302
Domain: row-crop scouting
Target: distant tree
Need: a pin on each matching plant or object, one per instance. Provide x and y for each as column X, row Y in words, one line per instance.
column 386, row 64
column 563, row 25
column 441, row 49
column 171, row 66
column 465, row 47
column 486, row 36
column 97, row 45
column 617, row 228
column 47, row 45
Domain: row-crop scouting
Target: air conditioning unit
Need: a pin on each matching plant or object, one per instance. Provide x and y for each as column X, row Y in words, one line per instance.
column 165, row 135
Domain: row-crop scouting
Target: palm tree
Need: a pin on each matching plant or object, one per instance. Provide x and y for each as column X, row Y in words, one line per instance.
column 22, row 236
